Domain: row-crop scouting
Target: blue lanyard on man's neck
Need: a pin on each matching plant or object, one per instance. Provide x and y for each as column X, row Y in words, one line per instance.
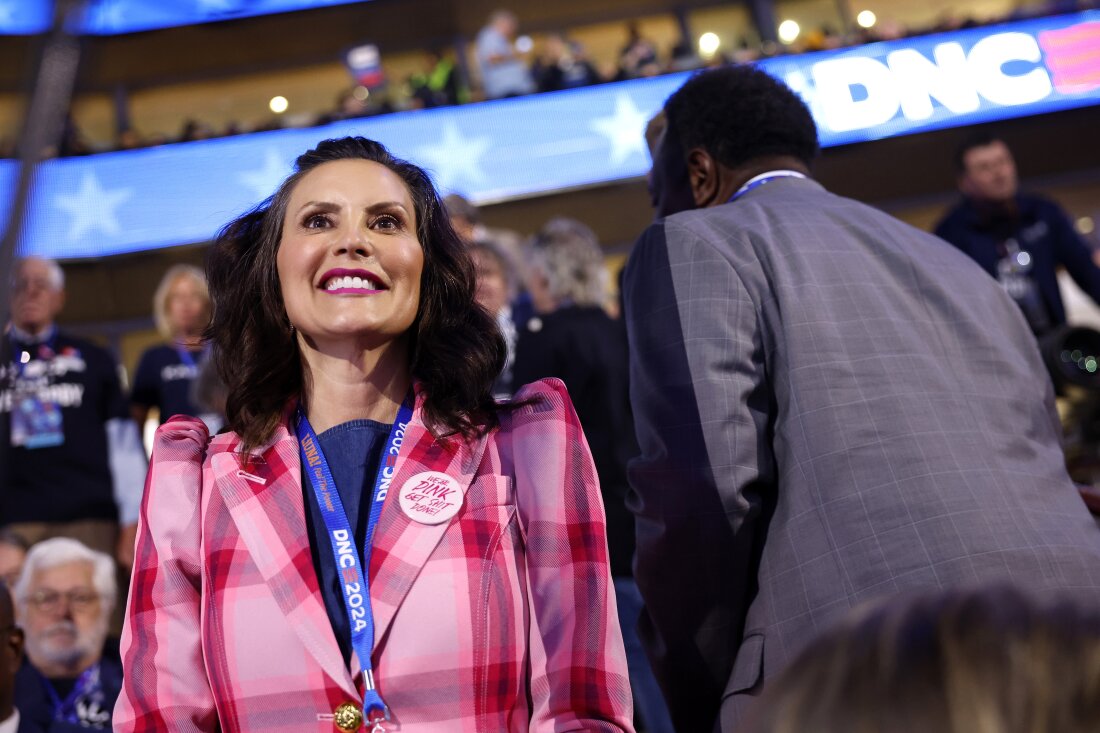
column 760, row 180
column 353, row 576
column 65, row 710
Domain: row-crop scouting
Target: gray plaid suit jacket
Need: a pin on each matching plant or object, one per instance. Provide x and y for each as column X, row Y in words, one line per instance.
column 832, row 406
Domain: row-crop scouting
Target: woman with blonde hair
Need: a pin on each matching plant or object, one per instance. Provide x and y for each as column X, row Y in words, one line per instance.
column 572, row 338
column 166, row 373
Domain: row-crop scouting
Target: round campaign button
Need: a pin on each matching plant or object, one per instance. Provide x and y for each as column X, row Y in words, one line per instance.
column 348, row 717
column 431, row 497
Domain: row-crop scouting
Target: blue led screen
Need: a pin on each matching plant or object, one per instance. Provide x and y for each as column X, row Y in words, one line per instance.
column 128, row 201
column 109, row 17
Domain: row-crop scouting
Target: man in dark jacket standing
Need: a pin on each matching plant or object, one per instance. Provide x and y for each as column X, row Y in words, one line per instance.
column 1017, row 238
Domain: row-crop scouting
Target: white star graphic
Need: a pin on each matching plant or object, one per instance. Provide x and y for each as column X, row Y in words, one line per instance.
column 92, row 207
column 263, row 181
column 454, row 158
column 624, row 130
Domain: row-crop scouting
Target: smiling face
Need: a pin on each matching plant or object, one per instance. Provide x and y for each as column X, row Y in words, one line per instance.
column 349, row 259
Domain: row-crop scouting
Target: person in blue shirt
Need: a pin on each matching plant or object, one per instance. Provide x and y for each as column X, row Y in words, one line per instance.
column 1018, row 238
column 504, row 72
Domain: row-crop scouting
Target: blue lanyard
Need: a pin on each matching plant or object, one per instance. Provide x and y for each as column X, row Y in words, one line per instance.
column 356, row 590
column 761, row 181
column 187, row 358
column 65, row 710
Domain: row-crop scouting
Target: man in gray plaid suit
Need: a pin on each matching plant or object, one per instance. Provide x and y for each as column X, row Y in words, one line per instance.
column 832, row 407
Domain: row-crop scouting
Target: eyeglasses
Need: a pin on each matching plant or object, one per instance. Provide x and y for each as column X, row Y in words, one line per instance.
column 49, row 601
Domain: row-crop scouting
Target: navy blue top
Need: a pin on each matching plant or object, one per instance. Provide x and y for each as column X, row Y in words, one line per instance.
column 1042, row 229
column 163, row 380
column 353, row 451
column 71, row 481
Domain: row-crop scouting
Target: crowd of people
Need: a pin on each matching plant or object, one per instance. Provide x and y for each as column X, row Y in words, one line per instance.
column 804, row 466
column 502, row 69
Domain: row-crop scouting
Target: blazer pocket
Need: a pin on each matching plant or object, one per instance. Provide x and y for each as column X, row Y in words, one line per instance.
column 748, row 667
column 489, row 491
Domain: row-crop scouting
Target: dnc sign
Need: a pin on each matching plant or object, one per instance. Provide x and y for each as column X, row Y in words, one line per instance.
column 175, row 194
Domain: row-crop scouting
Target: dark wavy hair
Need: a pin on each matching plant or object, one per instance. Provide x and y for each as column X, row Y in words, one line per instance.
column 737, row 113
column 456, row 350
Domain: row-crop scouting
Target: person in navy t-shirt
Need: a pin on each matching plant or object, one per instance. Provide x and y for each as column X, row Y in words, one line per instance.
column 71, row 462
column 166, row 374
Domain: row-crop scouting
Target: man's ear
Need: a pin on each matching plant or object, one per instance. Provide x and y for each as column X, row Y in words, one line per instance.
column 703, row 177
column 14, row 642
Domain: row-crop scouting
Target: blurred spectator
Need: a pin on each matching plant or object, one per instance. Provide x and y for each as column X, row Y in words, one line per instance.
column 166, row 374
column 351, row 104
column 638, row 57
column 72, row 460
column 563, row 65
column 195, row 130
column 465, row 218
column 572, row 338
column 12, row 719
column 13, row 552
column 73, row 141
column 438, row 85
column 1018, row 238
column 496, row 289
column 504, row 72
column 63, row 602
column 684, row 58
column 128, row 139
column 988, row 661
column 208, row 392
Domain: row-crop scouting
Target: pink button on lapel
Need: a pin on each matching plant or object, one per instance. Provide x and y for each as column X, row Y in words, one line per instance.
column 431, row 497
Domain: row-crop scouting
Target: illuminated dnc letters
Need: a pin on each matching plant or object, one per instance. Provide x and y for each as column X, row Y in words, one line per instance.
column 908, row 81
column 353, row 592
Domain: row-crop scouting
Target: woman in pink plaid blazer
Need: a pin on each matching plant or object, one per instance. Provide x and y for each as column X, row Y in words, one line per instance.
column 346, row 299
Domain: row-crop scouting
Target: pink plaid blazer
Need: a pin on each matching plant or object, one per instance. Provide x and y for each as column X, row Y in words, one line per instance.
column 502, row 619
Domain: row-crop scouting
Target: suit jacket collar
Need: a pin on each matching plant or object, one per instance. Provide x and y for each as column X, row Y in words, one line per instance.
column 266, row 503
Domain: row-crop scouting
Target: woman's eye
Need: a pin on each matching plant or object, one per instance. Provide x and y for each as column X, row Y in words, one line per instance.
column 316, row 221
column 387, row 222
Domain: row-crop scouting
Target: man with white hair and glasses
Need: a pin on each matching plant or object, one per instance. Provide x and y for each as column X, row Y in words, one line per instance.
column 71, row 459
column 63, row 601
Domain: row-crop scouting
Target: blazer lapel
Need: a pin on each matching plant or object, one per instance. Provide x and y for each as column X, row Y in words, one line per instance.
column 401, row 546
column 266, row 503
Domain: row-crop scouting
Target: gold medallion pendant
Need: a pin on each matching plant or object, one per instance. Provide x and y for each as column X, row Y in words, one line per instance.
column 348, row 717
